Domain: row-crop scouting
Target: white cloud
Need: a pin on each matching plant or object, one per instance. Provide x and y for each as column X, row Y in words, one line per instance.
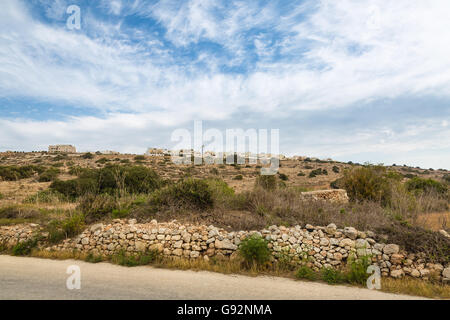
column 341, row 54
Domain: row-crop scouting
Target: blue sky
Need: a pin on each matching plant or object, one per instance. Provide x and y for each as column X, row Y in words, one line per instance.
column 351, row 79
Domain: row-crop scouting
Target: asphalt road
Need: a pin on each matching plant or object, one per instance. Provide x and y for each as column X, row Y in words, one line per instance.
column 32, row 278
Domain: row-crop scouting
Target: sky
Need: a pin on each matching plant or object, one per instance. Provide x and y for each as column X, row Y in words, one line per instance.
column 352, row 80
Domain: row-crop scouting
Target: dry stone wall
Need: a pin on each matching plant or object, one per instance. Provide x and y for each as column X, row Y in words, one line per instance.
column 316, row 246
column 336, row 195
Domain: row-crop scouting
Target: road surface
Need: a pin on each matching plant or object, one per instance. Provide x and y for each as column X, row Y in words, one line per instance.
column 33, row 278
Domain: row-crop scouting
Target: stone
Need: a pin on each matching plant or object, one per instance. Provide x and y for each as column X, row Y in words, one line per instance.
column 415, row 273
column 177, row 252
column 337, row 256
column 397, row 274
column 397, row 258
column 331, row 228
column 347, row 243
column 362, row 244
column 446, row 273
column 350, row 232
column 391, row 249
column 140, row 246
column 225, row 244
column 324, row 242
column 444, row 233
column 194, row 254
column 96, row 227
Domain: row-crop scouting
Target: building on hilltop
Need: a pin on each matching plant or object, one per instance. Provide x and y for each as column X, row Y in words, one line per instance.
column 110, row 152
column 62, row 148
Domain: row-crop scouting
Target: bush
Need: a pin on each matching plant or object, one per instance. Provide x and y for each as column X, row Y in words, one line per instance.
column 332, row 276
column 420, row 185
column 254, row 249
column 140, row 179
column 307, row 273
column 66, row 228
column 283, row 177
column 113, row 179
column 102, row 160
column 87, row 155
column 357, row 270
column 187, row 193
column 49, row 175
column 435, row 246
column 238, row 177
column 46, row 196
column 120, row 213
column 96, row 207
column 317, row 172
column 368, row 183
column 267, row 182
column 1, row 196
column 15, row 173
column 145, row 258
column 73, row 189
column 335, row 169
column 24, row 248
column 139, row 158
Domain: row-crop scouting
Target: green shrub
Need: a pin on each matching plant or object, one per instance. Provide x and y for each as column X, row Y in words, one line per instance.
column 254, row 249
column 73, row 189
column 66, row 228
column 332, row 276
column 187, row 193
column 283, row 176
column 446, row 178
column 267, row 182
column 91, row 258
column 238, row 177
column 49, row 175
column 112, row 179
column 102, row 160
column 145, row 258
column 357, row 270
column 335, row 169
column 24, row 248
column 336, row 184
column 15, row 173
column 140, row 179
column 120, row 213
column 97, row 206
column 305, row 272
column 139, row 158
column 368, row 183
column 46, row 196
column 1, row 196
column 73, row 225
column 301, row 174
column 419, row 185
column 87, row 155
column 317, row 172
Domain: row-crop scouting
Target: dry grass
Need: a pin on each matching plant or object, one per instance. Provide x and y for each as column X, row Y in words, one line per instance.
column 435, row 221
column 416, row 287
